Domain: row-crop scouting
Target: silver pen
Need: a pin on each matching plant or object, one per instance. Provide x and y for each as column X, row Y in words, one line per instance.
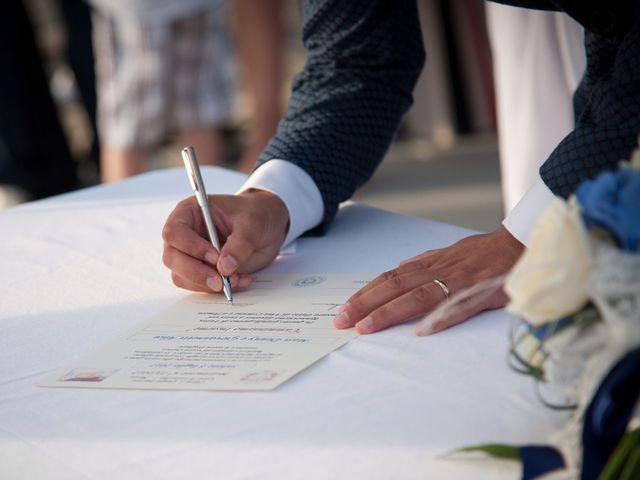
column 193, row 170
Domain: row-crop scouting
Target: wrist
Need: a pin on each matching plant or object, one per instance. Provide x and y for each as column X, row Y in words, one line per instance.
column 509, row 241
column 270, row 205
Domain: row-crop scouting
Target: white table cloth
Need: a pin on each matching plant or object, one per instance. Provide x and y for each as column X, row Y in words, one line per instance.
column 80, row 268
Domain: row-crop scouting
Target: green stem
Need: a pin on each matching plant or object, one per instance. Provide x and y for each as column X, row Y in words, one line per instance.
column 625, row 458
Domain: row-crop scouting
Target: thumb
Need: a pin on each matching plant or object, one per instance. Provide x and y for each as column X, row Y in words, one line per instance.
column 238, row 249
column 259, row 224
column 252, row 244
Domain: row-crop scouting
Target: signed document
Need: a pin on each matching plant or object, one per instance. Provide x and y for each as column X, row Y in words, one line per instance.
column 272, row 331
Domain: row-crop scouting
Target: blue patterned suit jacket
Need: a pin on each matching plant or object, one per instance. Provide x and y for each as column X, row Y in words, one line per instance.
column 364, row 57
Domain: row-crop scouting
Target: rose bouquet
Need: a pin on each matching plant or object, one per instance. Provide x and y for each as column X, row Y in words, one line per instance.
column 576, row 291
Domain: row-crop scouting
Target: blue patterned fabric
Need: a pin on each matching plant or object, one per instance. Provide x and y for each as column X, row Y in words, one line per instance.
column 607, row 108
column 364, row 57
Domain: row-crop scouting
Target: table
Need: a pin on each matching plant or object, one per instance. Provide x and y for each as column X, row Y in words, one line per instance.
column 80, row 268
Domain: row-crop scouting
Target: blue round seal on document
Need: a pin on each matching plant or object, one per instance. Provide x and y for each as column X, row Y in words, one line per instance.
column 309, row 281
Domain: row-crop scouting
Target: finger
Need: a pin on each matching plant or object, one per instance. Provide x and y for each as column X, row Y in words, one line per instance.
column 190, row 274
column 390, row 278
column 179, row 233
column 381, row 290
column 417, row 301
column 213, row 283
column 180, row 282
column 244, row 280
column 488, row 296
column 237, row 282
column 194, row 272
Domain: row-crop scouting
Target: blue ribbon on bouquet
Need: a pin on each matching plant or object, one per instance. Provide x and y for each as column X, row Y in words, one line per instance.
column 609, row 413
column 605, row 423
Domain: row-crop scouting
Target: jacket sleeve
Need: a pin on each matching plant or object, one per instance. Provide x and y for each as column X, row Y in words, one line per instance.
column 364, row 57
column 607, row 106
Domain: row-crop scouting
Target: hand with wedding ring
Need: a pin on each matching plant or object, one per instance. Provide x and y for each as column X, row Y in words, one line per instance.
column 421, row 283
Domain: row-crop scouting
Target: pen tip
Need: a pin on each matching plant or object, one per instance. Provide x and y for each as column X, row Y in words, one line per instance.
column 227, row 292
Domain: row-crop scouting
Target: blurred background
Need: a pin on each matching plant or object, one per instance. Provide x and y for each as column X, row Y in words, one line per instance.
column 443, row 165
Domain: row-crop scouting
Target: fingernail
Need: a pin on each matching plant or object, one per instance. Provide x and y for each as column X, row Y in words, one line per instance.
column 210, row 258
column 214, row 283
column 228, row 264
column 365, row 325
column 342, row 320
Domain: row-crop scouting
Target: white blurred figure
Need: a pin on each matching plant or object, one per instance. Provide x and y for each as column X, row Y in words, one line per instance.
column 538, row 62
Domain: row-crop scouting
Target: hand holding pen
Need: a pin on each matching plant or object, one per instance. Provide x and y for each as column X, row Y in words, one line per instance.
column 252, row 226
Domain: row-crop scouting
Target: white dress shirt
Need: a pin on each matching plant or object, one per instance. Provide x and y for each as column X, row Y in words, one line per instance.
column 521, row 220
column 296, row 189
column 306, row 209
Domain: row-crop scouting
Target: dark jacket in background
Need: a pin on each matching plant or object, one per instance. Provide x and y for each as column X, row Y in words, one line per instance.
column 364, row 57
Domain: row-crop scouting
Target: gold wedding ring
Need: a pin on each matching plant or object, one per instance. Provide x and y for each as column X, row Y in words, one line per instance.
column 443, row 287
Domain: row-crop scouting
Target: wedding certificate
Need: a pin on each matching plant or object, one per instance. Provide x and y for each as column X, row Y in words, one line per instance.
column 275, row 329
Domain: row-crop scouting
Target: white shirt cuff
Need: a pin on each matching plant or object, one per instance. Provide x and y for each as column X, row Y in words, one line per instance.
column 296, row 189
column 523, row 217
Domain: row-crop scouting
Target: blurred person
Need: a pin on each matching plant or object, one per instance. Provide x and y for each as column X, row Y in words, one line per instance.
column 259, row 40
column 363, row 60
column 167, row 67
column 538, row 62
column 161, row 67
column 35, row 161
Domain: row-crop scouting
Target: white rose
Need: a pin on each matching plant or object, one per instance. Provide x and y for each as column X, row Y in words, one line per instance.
column 550, row 279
